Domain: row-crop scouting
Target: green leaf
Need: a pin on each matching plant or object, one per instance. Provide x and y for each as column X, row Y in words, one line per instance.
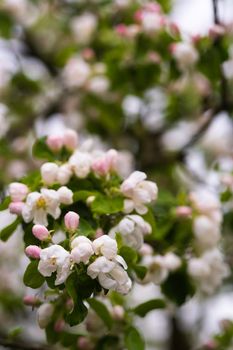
column 83, row 195
column 129, row 254
column 101, row 311
column 143, row 309
column 41, row 151
column 85, row 228
column 5, row 203
column 133, row 339
column 140, row 271
column 106, row 205
column 178, row 287
column 9, row 230
column 32, row 277
column 79, row 312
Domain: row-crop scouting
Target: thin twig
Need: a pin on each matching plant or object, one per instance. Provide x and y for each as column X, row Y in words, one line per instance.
column 21, row 345
column 215, row 9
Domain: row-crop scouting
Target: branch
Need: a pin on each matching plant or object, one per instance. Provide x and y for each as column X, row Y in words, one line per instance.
column 215, row 10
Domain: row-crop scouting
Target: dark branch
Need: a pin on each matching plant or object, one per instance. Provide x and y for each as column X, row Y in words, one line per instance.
column 215, row 9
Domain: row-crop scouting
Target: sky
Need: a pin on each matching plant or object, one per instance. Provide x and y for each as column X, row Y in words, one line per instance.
column 196, row 16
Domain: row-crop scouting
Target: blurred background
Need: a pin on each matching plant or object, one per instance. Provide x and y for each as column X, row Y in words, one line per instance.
column 82, row 65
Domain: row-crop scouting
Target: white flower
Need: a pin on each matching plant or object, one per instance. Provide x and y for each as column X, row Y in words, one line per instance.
column 106, row 246
column 139, row 192
column 55, row 259
column 185, row 54
column 132, row 229
column 64, row 174
column 98, row 85
column 157, row 271
column 82, row 249
column 83, row 27
column 39, row 204
column 49, row 173
column 65, row 195
column 159, row 267
column 172, row 261
column 207, row 203
column 111, row 274
column 76, row 72
column 44, row 314
column 151, row 21
column 18, row 191
column 81, row 163
column 206, row 231
column 208, row 270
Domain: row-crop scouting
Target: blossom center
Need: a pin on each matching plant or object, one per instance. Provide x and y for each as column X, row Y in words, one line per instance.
column 41, row 204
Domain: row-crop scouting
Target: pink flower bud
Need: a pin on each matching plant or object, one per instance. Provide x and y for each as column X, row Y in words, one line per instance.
column 16, row 208
column 33, row 251
column 71, row 221
column 210, row 345
column 70, row 139
column 18, row 191
column 84, row 343
column 183, row 211
column 88, row 54
column 54, row 142
column 216, row 31
column 69, row 304
column 31, row 300
column 121, row 29
column 146, row 249
column 118, row 312
column 101, row 166
column 59, row 326
column 99, row 232
column 40, row 232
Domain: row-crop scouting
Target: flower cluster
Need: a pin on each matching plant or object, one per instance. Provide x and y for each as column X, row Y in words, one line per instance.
column 208, row 268
column 82, row 194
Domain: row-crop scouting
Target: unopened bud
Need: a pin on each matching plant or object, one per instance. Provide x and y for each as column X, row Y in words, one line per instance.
column 33, row 251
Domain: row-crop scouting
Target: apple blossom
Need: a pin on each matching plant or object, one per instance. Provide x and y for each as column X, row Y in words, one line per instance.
column 16, row 207
column 71, row 220
column 132, row 229
column 65, row 195
column 206, row 231
column 54, row 142
column 80, row 162
column 55, row 259
column 82, row 249
column 44, row 314
column 208, row 270
column 185, row 54
column 49, row 173
column 40, row 232
column 111, row 274
column 76, row 72
column 106, row 246
column 70, row 139
column 33, row 251
column 138, row 192
column 83, row 27
column 64, row 174
column 18, row 191
column 39, row 204
column 31, row 300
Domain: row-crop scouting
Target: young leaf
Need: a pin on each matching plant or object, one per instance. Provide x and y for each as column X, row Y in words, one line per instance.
column 142, row 309
column 79, row 312
column 5, row 203
column 106, row 205
column 32, row 278
column 101, row 311
column 133, row 339
column 9, row 230
column 41, row 151
column 129, row 254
